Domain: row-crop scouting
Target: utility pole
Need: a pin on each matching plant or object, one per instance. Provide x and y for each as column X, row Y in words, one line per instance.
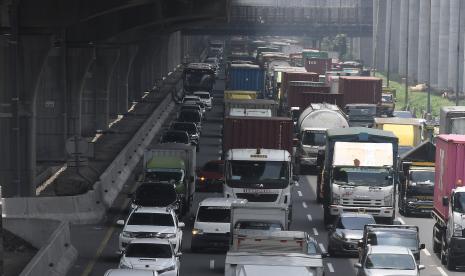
column 375, row 36
column 428, row 104
column 388, row 73
column 406, row 59
column 457, row 85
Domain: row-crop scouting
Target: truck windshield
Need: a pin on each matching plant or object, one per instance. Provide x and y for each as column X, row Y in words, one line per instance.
column 155, row 176
column 421, row 182
column 314, row 138
column 362, row 112
column 272, row 174
column 459, row 203
column 394, row 238
column 362, row 176
column 458, row 125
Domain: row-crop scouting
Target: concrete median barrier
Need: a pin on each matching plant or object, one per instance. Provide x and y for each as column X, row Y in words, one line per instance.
column 56, row 253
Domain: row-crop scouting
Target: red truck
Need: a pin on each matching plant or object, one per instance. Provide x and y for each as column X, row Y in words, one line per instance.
column 257, row 132
column 449, row 200
column 317, row 65
column 361, row 90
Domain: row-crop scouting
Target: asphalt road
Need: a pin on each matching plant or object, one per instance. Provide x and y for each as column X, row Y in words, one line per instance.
column 98, row 244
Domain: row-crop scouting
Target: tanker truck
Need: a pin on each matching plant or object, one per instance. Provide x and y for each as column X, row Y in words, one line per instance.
column 312, row 125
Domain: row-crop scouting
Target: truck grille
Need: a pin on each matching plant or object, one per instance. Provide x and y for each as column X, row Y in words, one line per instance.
column 258, row 197
column 361, row 202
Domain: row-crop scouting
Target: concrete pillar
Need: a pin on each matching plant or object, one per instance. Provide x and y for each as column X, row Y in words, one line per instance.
column 443, row 57
column 379, row 21
column 434, row 41
column 395, row 29
column 454, row 23
column 388, row 35
column 403, row 37
column 424, row 41
column 414, row 9
column 95, row 102
column 356, row 48
column 366, row 50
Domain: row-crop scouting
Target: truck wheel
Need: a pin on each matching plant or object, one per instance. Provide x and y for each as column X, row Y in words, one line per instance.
column 450, row 262
column 436, row 245
column 443, row 251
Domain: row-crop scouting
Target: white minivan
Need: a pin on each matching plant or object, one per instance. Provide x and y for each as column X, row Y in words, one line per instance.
column 212, row 223
column 206, row 98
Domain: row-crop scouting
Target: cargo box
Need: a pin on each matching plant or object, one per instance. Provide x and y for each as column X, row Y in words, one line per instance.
column 357, row 90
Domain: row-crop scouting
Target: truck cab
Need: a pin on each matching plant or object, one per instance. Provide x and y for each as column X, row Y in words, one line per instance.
column 259, row 175
column 361, row 115
column 198, row 77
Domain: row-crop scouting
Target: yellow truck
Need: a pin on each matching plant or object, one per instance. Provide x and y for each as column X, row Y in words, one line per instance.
column 408, row 130
column 240, row 95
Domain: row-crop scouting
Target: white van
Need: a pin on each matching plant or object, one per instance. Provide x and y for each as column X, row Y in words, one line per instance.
column 212, row 223
column 130, row 272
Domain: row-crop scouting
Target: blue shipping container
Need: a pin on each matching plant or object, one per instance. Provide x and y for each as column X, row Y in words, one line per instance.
column 246, row 77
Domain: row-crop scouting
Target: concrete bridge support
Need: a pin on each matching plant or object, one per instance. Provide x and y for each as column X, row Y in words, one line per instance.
column 414, row 8
column 392, row 35
column 443, row 57
column 404, row 10
column 424, row 41
column 434, row 41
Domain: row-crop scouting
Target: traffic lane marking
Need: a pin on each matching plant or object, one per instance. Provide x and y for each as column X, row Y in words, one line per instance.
column 443, row 273
column 212, row 264
column 299, row 193
column 426, row 252
column 401, row 220
column 309, row 217
column 330, row 267
column 315, row 232
column 304, row 204
column 322, row 247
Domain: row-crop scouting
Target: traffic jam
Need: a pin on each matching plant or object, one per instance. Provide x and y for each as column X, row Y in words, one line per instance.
column 312, row 171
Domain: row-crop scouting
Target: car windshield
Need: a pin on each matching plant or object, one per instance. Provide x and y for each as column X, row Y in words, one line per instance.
column 359, row 111
column 203, row 95
column 155, row 195
column 175, row 137
column 395, row 238
column 390, row 261
column 198, row 78
column 362, row 176
column 314, row 138
column 193, row 117
column 155, row 176
column 148, row 250
column 214, row 214
column 269, row 173
column 459, row 203
column 189, row 128
column 423, row 177
column 354, row 223
column 259, row 225
column 151, row 219
column 386, row 98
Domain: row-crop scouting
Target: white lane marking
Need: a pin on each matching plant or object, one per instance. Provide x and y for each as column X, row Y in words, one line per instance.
column 304, row 204
column 401, row 220
column 297, row 184
column 299, row 193
column 322, row 247
column 315, row 232
column 443, row 273
column 426, row 252
column 212, row 264
column 330, row 267
column 309, row 217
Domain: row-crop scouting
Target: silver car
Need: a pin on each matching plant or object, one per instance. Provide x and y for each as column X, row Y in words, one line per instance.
column 381, row 260
column 344, row 235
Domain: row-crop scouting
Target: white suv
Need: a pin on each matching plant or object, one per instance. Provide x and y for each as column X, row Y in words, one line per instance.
column 151, row 222
column 151, row 254
column 205, row 97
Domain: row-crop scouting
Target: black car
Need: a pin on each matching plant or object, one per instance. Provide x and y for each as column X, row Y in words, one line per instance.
column 191, row 129
column 155, row 194
column 191, row 116
column 175, row 136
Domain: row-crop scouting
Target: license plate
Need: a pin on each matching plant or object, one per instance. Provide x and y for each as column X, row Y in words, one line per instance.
column 257, row 191
column 362, row 210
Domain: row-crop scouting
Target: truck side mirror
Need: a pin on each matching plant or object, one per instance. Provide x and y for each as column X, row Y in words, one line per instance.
column 358, row 265
column 360, row 243
column 422, row 246
column 445, row 201
column 295, row 178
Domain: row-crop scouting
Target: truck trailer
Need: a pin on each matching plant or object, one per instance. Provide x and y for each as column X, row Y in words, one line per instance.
column 449, row 200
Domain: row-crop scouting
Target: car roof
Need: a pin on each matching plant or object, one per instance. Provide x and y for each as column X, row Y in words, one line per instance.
column 151, row 240
column 201, row 92
column 220, row 201
column 190, row 104
column 391, row 230
column 153, row 210
column 130, row 272
column 383, row 249
column 191, row 97
column 355, row 215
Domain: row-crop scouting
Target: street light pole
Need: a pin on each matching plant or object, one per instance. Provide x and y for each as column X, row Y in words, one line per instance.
column 388, row 73
column 457, row 85
column 406, row 59
column 428, row 104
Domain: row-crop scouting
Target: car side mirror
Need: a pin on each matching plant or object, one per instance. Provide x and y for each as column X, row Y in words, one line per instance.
column 181, row 225
column 358, row 265
column 120, row 222
column 295, row 178
column 360, row 243
column 445, row 201
column 330, row 227
column 179, row 254
column 324, row 255
column 421, row 267
column 422, row 246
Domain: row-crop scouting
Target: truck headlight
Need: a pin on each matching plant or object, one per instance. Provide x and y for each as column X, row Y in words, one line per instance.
column 388, row 200
column 336, row 199
column 457, row 230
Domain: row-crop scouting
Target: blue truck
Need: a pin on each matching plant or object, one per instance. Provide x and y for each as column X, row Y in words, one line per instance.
column 246, row 77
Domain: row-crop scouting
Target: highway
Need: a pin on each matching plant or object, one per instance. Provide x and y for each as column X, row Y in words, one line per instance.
column 98, row 244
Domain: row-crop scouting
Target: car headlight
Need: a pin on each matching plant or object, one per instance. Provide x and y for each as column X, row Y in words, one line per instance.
column 169, row 268
column 196, row 231
column 128, row 234
column 336, row 198
column 388, row 200
column 123, row 264
column 457, row 230
column 165, row 235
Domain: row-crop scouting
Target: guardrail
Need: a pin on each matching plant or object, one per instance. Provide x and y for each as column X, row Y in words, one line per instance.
column 55, row 255
column 91, row 206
